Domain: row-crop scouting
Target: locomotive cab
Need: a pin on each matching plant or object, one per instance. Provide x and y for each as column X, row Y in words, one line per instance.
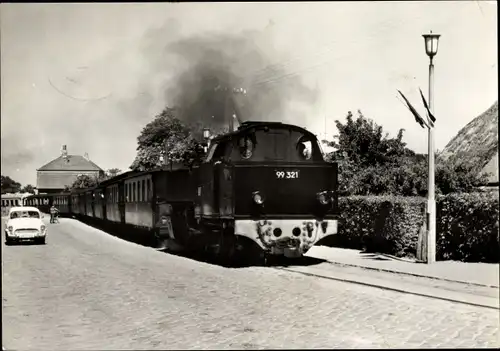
column 272, row 183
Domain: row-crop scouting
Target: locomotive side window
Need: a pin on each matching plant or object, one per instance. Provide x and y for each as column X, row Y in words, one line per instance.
column 304, row 148
column 219, row 152
column 211, row 151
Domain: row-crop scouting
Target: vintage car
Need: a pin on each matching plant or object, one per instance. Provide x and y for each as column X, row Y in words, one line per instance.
column 25, row 223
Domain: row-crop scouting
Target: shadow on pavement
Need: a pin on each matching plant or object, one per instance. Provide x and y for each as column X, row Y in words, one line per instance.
column 251, row 258
column 376, row 257
column 25, row 243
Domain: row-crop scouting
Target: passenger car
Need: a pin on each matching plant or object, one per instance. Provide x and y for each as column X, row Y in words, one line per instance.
column 25, row 223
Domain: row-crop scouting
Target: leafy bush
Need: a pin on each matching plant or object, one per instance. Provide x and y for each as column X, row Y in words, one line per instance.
column 466, row 224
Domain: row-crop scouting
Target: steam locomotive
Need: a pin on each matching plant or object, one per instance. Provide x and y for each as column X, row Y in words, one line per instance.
column 264, row 188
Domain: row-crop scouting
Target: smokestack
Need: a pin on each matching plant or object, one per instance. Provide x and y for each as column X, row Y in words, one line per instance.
column 64, row 152
column 86, row 156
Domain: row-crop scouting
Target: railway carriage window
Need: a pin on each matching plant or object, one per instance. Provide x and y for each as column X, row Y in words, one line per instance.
column 149, row 192
column 134, row 193
column 139, row 191
column 143, row 190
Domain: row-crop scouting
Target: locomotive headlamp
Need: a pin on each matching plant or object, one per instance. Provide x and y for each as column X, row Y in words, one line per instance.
column 258, row 198
column 323, row 197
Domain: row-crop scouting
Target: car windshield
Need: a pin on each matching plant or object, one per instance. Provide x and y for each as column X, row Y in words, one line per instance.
column 24, row 214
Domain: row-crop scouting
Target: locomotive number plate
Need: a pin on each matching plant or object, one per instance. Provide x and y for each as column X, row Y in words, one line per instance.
column 287, row 174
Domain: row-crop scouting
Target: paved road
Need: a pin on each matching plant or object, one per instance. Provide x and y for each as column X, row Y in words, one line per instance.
column 89, row 290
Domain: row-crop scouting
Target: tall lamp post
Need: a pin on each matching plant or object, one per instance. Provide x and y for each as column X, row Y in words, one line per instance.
column 431, row 48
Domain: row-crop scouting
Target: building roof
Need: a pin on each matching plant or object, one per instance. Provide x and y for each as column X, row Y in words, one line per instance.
column 70, row 163
column 477, row 142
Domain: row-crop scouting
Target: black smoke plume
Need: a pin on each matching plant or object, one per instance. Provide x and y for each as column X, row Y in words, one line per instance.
column 209, row 68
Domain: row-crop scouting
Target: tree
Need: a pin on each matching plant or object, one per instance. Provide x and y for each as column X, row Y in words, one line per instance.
column 363, row 142
column 9, row 185
column 83, row 181
column 373, row 164
column 28, row 189
column 166, row 136
column 113, row 172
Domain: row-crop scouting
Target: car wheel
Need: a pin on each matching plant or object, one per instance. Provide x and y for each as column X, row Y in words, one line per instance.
column 41, row 241
column 8, row 241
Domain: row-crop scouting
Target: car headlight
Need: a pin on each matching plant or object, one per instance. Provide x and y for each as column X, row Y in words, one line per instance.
column 10, row 229
column 42, row 228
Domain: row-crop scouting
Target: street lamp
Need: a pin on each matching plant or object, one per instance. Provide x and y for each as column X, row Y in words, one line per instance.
column 431, row 48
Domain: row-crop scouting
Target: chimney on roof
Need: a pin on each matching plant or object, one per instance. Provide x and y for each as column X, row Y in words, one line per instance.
column 86, row 156
column 64, row 152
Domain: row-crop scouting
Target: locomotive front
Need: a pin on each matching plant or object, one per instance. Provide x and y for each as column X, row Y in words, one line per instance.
column 284, row 194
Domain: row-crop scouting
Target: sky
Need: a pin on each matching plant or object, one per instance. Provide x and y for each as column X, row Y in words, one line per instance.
column 92, row 75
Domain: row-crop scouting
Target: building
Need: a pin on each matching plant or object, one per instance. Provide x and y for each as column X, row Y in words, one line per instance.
column 63, row 171
column 477, row 143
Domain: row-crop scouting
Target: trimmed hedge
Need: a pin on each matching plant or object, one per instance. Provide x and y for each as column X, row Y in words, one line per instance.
column 466, row 225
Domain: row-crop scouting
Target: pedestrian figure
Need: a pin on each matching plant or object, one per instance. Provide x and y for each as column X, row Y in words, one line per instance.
column 53, row 214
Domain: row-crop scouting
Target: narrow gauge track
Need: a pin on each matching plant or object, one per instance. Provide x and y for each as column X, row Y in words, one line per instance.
column 379, row 286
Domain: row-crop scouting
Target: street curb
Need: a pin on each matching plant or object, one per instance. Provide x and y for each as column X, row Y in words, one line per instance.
column 413, row 274
column 487, row 302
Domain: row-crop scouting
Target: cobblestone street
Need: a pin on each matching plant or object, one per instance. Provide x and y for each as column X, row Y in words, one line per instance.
column 85, row 289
